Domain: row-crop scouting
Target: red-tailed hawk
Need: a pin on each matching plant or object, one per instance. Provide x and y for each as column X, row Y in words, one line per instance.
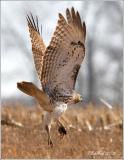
column 57, row 66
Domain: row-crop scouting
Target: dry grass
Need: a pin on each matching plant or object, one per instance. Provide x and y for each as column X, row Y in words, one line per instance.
column 92, row 132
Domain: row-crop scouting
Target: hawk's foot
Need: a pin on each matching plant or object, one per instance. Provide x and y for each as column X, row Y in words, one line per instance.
column 50, row 143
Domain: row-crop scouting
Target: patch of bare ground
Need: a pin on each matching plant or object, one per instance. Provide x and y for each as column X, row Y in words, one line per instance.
column 92, row 132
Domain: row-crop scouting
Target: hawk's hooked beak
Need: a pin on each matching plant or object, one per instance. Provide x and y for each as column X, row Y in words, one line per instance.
column 81, row 98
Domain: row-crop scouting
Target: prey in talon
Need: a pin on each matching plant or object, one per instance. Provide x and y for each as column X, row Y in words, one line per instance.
column 61, row 129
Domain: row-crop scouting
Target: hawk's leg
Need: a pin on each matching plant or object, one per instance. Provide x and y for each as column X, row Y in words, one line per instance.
column 61, row 129
column 50, row 143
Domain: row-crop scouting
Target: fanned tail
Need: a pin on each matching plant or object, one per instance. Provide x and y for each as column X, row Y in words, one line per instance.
column 30, row 89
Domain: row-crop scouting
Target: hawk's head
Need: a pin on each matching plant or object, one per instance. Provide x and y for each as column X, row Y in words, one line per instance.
column 76, row 97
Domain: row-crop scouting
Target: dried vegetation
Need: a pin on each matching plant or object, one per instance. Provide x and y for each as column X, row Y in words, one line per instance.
column 92, row 132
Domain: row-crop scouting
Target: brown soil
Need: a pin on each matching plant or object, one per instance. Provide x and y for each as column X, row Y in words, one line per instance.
column 92, row 132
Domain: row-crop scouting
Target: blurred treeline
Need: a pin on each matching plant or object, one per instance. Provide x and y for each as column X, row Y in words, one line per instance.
column 101, row 74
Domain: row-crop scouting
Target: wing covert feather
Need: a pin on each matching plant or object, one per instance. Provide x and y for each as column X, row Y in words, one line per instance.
column 64, row 55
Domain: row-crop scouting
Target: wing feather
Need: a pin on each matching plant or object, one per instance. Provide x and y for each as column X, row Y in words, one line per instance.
column 63, row 56
column 38, row 46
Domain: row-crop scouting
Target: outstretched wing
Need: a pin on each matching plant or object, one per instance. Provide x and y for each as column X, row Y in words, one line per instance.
column 38, row 46
column 64, row 56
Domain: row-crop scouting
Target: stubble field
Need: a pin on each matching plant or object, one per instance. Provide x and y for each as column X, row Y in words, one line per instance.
column 92, row 132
